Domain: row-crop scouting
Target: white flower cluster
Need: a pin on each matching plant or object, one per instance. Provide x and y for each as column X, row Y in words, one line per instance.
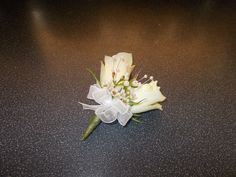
column 140, row 94
column 125, row 89
column 119, row 96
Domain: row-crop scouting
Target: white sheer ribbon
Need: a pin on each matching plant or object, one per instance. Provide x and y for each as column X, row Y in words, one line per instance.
column 108, row 109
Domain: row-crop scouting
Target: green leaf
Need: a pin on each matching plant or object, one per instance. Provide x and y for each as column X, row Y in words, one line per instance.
column 136, row 120
column 94, row 76
column 120, row 83
column 132, row 103
column 94, row 121
column 136, row 115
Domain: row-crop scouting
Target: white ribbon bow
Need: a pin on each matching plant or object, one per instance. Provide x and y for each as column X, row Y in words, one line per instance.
column 108, row 109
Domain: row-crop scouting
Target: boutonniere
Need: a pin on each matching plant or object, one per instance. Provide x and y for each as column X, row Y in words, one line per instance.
column 119, row 96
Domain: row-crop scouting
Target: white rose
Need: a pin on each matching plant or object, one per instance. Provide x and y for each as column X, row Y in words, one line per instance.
column 119, row 64
column 149, row 96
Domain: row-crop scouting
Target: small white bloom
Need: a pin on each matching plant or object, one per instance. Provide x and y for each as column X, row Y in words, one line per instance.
column 118, row 88
column 122, row 91
column 126, row 83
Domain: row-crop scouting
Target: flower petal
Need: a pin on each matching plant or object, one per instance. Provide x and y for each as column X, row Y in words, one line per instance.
column 102, row 73
column 149, row 95
column 120, row 64
column 141, row 108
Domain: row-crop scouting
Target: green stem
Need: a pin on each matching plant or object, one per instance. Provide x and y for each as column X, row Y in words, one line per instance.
column 136, row 120
column 94, row 121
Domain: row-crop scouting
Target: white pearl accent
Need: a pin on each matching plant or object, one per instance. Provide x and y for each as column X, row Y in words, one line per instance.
column 126, row 83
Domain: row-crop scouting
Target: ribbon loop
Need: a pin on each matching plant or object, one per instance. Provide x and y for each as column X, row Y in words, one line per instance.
column 108, row 109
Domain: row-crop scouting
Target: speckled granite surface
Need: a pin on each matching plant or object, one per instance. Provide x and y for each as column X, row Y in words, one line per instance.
column 44, row 50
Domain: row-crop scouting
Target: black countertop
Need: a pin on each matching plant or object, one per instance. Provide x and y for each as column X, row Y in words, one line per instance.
column 188, row 46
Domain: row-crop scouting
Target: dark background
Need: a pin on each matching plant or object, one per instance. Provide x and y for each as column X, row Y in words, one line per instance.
column 188, row 46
